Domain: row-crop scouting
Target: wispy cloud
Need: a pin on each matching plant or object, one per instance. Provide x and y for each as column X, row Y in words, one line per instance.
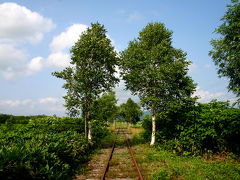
column 206, row 96
column 21, row 26
column 193, row 68
column 207, row 66
column 46, row 105
column 121, row 11
column 60, row 45
column 14, row 64
column 135, row 16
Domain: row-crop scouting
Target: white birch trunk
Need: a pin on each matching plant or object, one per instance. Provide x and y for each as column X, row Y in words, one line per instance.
column 85, row 125
column 153, row 140
column 89, row 131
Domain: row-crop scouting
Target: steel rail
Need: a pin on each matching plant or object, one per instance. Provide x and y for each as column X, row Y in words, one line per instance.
column 106, row 167
column 133, row 159
column 108, row 160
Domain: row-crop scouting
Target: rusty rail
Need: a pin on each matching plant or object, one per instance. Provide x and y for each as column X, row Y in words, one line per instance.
column 133, row 159
column 108, row 160
column 106, row 167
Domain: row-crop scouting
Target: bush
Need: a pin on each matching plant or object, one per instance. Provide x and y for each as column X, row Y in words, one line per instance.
column 45, row 148
column 213, row 126
column 197, row 129
column 161, row 175
column 98, row 130
column 147, row 126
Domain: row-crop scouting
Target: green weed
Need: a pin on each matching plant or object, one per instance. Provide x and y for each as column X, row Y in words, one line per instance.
column 161, row 164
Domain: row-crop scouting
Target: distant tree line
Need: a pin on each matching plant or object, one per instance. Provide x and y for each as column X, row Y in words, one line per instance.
column 6, row 118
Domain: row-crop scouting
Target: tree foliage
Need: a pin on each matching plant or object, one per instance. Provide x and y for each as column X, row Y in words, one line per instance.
column 226, row 49
column 104, row 109
column 130, row 111
column 93, row 62
column 156, row 71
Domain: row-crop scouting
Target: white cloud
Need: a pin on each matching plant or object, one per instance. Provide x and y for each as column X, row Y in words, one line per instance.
column 21, row 24
column 10, row 57
column 62, row 43
column 10, row 103
column 47, row 105
column 68, row 38
column 193, row 68
column 48, row 100
column 35, row 65
column 58, row 59
column 206, row 96
column 13, row 63
column 26, row 101
column 207, row 66
column 13, row 60
column 135, row 16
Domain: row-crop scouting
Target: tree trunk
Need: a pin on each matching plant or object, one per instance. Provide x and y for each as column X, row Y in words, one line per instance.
column 85, row 124
column 86, row 118
column 153, row 124
column 128, row 125
column 89, row 131
column 153, row 140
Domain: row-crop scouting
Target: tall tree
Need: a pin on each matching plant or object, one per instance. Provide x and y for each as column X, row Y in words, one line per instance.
column 105, row 108
column 155, row 71
column 93, row 62
column 226, row 49
column 130, row 111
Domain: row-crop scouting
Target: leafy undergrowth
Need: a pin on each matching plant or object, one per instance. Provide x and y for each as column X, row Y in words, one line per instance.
column 107, row 141
column 47, row 148
column 160, row 164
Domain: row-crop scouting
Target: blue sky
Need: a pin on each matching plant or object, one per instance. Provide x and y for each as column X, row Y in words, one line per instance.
column 35, row 38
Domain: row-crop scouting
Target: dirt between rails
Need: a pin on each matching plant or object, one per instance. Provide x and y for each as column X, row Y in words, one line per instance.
column 95, row 166
column 120, row 166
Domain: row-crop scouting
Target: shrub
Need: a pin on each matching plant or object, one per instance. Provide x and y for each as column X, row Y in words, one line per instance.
column 45, row 148
column 197, row 129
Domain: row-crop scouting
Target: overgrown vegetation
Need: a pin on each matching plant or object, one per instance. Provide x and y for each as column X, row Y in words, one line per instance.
column 201, row 128
column 159, row 164
column 45, row 148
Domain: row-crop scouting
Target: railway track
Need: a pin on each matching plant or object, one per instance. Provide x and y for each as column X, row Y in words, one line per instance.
column 125, row 133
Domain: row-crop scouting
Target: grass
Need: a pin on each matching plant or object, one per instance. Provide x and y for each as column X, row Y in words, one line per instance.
column 160, row 164
column 107, row 141
column 135, row 130
column 156, row 163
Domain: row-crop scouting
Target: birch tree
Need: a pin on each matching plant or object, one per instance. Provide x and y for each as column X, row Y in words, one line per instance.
column 94, row 61
column 226, row 49
column 156, row 71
